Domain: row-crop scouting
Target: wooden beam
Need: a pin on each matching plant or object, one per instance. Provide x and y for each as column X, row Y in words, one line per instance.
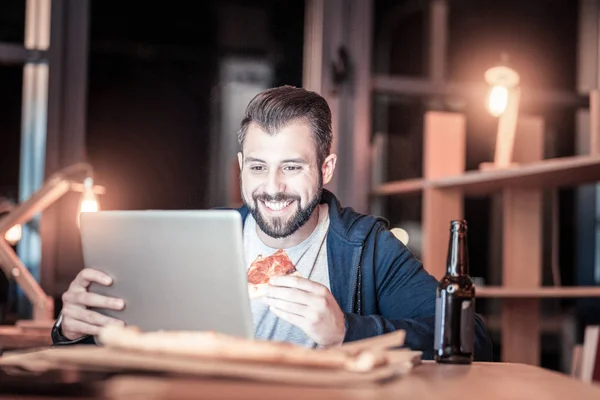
column 522, row 252
column 444, row 155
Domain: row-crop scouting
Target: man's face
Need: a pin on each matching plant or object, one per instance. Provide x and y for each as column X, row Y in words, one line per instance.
column 281, row 182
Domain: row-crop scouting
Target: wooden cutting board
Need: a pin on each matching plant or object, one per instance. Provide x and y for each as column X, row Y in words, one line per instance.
column 93, row 358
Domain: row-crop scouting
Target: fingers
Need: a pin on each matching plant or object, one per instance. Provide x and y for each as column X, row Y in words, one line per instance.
column 72, row 328
column 292, row 308
column 77, row 319
column 71, row 313
column 89, row 275
column 293, row 319
column 294, row 295
column 88, row 299
column 300, row 283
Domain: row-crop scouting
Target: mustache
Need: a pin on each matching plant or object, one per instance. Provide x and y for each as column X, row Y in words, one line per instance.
column 275, row 198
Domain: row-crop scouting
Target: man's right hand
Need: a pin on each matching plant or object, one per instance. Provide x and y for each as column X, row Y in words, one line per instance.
column 77, row 319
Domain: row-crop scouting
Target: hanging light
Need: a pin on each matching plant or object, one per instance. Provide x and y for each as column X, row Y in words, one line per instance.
column 502, row 80
column 503, row 99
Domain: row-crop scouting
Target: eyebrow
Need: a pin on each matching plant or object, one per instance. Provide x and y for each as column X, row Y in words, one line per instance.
column 252, row 159
column 289, row 160
column 295, row 161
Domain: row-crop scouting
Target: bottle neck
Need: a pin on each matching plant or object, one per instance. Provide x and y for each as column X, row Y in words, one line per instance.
column 458, row 257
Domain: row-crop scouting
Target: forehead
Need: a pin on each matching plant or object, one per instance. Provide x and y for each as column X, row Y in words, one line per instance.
column 293, row 140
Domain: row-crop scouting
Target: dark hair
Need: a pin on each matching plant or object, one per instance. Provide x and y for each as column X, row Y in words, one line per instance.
column 275, row 108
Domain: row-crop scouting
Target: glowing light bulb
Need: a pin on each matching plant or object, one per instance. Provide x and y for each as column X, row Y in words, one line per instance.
column 497, row 100
column 501, row 80
column 13, row 235
column 89, row 202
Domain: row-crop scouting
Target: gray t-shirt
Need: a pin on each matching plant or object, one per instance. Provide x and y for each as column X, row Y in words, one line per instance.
column 310, row 259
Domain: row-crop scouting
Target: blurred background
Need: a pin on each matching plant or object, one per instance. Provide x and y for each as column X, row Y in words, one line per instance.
column 151, row 95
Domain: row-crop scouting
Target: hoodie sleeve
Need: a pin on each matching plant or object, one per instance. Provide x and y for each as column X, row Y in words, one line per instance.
column 406, row 300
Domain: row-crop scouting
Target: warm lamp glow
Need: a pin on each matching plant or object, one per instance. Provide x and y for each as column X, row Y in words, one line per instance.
column 13, row 235
column 497, row 100
column 502, row 80
column 504, row 96
column 89, row 202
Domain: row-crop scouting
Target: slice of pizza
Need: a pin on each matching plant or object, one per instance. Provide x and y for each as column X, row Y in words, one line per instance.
column 263, row 268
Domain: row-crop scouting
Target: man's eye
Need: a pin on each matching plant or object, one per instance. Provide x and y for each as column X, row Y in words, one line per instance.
column 257, row 168
column 292, row 168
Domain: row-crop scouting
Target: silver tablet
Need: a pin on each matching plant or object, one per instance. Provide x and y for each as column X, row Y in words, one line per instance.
column 176, row 270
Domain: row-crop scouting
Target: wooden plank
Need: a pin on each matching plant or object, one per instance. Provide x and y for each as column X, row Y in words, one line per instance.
column 439, row 208
column 554, row 325
column 537, row 293
column 16, row 338
column 495, row 381
column 520, row 331
column 444, row 155
column 522, row 241
column 521, row 268
column 550, row 173
column 359, row 14
column 522, row 252
column 407, row 186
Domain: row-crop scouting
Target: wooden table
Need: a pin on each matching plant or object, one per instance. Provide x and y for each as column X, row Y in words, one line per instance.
column 489, row 381
column 429, row 381
column 14, row 337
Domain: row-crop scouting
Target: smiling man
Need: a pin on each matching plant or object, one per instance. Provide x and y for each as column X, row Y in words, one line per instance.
column 285, row 139
column 356, row 279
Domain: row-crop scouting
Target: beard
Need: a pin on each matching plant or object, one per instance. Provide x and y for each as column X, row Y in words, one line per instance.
column 277, row 227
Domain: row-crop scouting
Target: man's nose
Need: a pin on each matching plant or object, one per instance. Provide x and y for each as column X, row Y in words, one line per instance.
column 275, row 183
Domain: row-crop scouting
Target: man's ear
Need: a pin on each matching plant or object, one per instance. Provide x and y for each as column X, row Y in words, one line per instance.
column 240, row 159
column 328, row 167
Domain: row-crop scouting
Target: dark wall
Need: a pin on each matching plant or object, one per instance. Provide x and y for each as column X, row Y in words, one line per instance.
column 150, row 78
column 153, row 72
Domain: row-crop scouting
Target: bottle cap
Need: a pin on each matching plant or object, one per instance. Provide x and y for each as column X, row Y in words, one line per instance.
column 459, row 225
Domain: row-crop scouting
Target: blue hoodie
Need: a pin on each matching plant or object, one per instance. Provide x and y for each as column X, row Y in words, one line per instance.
column 378, row 283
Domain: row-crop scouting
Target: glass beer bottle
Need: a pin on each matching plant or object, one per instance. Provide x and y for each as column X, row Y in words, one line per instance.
column 455, row 303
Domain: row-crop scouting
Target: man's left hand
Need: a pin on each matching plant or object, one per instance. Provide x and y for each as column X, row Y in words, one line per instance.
column 309, row 306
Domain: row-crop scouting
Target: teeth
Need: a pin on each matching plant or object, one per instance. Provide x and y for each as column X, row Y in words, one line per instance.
column 277, row 205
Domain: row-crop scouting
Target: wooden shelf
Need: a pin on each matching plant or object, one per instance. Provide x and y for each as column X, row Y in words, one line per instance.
column 445, row 184
column 555, row 172
column 408, row 186
column 554, row 324
column 537, row 293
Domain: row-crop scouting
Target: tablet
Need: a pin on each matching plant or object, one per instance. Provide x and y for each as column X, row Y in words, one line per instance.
column 175, row 270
